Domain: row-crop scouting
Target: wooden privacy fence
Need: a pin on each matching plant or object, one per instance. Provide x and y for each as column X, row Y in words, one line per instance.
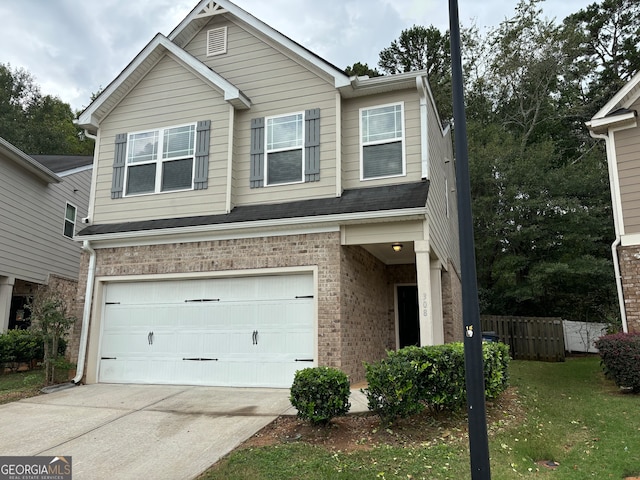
column 529, row 338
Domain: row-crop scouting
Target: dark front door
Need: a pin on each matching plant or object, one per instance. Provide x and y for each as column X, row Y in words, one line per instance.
column 408, row 322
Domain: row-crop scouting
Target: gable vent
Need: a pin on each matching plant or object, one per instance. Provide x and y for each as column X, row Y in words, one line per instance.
column 217, row 41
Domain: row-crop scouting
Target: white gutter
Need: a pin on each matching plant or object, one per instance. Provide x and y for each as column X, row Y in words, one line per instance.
column 86, row 314
column 617, row 222
column 424, row 125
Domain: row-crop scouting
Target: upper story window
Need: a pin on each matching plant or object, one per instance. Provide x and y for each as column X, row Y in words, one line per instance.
column 160, row 160
column 285, row 153
column 382, row 141
column 69, row 221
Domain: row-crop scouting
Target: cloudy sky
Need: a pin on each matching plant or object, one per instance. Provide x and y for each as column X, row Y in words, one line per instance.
column 73, row 47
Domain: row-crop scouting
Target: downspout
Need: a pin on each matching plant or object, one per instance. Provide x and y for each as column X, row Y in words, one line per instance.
column 424, row 125
column 616, row 222
column 86, row 314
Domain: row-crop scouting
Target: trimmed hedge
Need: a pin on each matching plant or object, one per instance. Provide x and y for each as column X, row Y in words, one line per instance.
column 413, row 378
column 24, row 346
column 620, row 359
column 320, row 393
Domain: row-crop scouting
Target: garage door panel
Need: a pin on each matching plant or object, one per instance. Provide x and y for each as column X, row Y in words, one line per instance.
column 234, row 331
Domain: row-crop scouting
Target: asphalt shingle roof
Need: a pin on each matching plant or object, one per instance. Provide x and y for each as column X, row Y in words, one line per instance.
column 63, row 163
column 388, row 197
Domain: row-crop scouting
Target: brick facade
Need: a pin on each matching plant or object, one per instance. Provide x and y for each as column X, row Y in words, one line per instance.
column 356, row 318
column 630, row 272
column 452, row 305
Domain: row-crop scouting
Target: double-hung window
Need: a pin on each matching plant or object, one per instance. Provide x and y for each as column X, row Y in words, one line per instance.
column 69, row 221
column 382, row 141
column 160, row 160
column 285, row 152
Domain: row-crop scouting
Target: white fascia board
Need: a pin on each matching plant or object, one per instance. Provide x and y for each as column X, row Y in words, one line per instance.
column 66, row 173
column 218, row 229
column 611, row 122
column 14, row 153
column 232, row 94
column 340, row 78
column 630, row 239
column 616, row 101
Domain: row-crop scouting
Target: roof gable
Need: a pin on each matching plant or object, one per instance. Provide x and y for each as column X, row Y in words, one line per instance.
column 625, row 97
column 140, row 66
column 13, row 153
column 202, row 13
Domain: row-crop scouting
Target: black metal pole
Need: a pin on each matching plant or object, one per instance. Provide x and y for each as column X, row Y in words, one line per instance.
column 474, row 371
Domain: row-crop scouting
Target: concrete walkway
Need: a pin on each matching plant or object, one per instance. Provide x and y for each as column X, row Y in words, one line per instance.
column 142, row 431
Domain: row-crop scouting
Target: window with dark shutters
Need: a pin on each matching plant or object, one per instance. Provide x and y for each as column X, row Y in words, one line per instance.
column 285, row 149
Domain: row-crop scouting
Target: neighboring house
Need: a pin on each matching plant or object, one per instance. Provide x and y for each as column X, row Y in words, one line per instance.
column 255, row 211
column 43, row 199
column 617, row 124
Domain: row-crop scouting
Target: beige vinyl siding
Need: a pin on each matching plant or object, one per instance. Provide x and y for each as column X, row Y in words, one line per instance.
column 168, row 95
column 443, row 230
column 276, row 85
column 383, row 232
column 351, row 138
column 628, row 159
column 32, row 244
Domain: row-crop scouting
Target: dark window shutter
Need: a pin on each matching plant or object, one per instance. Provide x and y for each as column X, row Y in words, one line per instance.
column 203, row 136
column 256, row 178
column 312, row 145
column 119, row 160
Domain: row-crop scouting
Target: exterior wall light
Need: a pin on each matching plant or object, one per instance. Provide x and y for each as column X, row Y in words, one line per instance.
column 396, row 247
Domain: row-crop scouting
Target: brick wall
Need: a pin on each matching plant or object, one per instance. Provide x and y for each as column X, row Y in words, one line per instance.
column 630, row 272
column 321, row 249
column 367, row 331
column 452, row 305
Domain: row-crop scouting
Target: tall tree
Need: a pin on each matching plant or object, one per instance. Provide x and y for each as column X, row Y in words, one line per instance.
column 423, row 48
column 34, row 123
column 360, row 70
column 541, row 209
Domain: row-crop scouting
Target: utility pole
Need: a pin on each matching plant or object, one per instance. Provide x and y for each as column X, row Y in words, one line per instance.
column 474, row 372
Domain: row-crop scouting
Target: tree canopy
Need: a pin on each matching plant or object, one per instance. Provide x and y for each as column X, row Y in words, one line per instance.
column 36, row 123
column 539, row 183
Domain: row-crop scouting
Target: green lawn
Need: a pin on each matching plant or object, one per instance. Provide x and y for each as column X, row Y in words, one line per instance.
column 14, row 386
column 572, row 416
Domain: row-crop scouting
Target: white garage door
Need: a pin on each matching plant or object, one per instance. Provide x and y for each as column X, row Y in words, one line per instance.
column 248, row 331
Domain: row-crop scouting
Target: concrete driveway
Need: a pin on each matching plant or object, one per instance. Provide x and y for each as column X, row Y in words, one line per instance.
column 138, row 431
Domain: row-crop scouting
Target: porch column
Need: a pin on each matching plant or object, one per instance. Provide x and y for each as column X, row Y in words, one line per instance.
column 6, row 292
column 436, row 302
column 423, row 271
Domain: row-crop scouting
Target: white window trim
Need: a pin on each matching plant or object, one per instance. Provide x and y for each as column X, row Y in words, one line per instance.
column 65, row 220
column 276, row 150
column 210, row 33
column 381, row 142
column 158, row 161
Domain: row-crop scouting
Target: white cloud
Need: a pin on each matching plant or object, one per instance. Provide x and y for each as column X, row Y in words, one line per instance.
column 72, row 47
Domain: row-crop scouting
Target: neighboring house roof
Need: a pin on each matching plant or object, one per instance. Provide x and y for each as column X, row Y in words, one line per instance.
column 623, row 99
column 140, row 66
column 13, row 153
column 64, row 163
column 373, row 199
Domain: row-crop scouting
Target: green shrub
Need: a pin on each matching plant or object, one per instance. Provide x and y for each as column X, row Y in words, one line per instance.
column 496, row 368
column 620, row 358
column 393, row 387
column 320, row 394
column 414, row 377
column 21, row 346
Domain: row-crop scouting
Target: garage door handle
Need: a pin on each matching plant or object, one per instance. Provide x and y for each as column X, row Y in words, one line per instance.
column 304, row 359
column 201, row 359
column 255, row 337
column 150, row 338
